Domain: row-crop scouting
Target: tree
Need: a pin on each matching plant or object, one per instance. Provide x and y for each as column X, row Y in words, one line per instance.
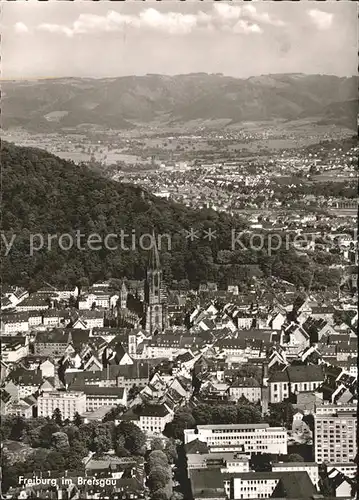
column 161, row 494
column 114, row 413
column 171, row 452
column 55, row 461
column 74, row 456
column 57, row 417
column 18, row 429
column 250, row 371
column 78, row 420
column 158, row 478
column 6, row 427
column 156, row 444
column 134, row 390
column 37, row 461
column 10, row 472
column 135, row 439
column 295, row 457
column 101, row 439
column 72, row 432
column 281, row 414
column 33, row 437
column 60, row 441
column 176, row 495
column 120, row 449
column 183, row 419
column 248, row 414
column 157, row 458
column 46, row 433
column 122, row 452
column 261, row 462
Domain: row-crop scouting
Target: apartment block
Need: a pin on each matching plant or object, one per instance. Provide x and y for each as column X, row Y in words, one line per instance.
column 67, row 402
column 335, row 433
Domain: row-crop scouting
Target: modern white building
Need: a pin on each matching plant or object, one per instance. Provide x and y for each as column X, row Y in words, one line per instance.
column 67, row 402
column 227, row 462
column 311, row 468
column 100, row 298
column 250, row 485
column 268, row 485
column 251, row 438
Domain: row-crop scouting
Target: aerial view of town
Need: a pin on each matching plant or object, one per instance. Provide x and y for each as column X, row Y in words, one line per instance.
column 179, row 250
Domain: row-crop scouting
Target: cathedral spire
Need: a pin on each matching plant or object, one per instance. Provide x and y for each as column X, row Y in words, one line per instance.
column 154, row 257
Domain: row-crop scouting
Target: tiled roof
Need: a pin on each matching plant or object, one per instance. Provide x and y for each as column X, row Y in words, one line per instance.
column 246, row 382
column 21, row 376
column 301, row 373
column 95, row 390
column 149, row 410
column 196, row 446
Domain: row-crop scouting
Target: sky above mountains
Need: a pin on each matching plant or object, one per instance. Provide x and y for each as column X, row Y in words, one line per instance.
column 101, row 39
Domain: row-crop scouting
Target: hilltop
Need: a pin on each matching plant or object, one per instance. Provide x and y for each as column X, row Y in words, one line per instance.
column 124, row 102
column 47, row 195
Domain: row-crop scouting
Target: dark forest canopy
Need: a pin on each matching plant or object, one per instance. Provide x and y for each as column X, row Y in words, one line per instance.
column 45, row 194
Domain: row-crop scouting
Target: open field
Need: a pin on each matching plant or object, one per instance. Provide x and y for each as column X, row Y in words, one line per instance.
column 184, row 142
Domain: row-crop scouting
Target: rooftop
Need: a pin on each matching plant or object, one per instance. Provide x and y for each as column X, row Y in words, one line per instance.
column 301, row 373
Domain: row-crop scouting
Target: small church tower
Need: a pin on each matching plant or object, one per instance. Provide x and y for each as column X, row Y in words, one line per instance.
column 155, row 308
column 123, row 296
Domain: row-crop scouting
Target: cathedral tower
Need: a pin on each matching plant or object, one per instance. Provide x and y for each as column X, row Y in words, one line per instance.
column 156, row 317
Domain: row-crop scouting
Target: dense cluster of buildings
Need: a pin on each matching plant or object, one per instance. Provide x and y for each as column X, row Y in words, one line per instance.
column 88, row 351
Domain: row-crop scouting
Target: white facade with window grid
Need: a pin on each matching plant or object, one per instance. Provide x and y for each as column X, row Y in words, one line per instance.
column 253, row 438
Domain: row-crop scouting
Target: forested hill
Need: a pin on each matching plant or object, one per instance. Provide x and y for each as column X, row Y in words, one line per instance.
column 45, row 195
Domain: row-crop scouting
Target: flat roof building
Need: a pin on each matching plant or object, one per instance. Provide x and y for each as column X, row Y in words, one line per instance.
column 250, row 438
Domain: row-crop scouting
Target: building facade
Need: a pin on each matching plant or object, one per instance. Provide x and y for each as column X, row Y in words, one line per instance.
column 68, row 403
column 294, row 380
column 335, row 433
column 311, row 468
column 251, row 438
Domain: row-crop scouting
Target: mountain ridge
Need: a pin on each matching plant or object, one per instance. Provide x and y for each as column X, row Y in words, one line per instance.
column 124, row 102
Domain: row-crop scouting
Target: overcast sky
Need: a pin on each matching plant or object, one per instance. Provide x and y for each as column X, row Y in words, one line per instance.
column 97, row 39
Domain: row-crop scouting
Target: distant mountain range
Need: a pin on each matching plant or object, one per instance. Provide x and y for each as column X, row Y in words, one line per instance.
column 124, row 102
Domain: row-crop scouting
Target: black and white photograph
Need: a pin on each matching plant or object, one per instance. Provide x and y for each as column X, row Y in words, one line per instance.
column 179, row 250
